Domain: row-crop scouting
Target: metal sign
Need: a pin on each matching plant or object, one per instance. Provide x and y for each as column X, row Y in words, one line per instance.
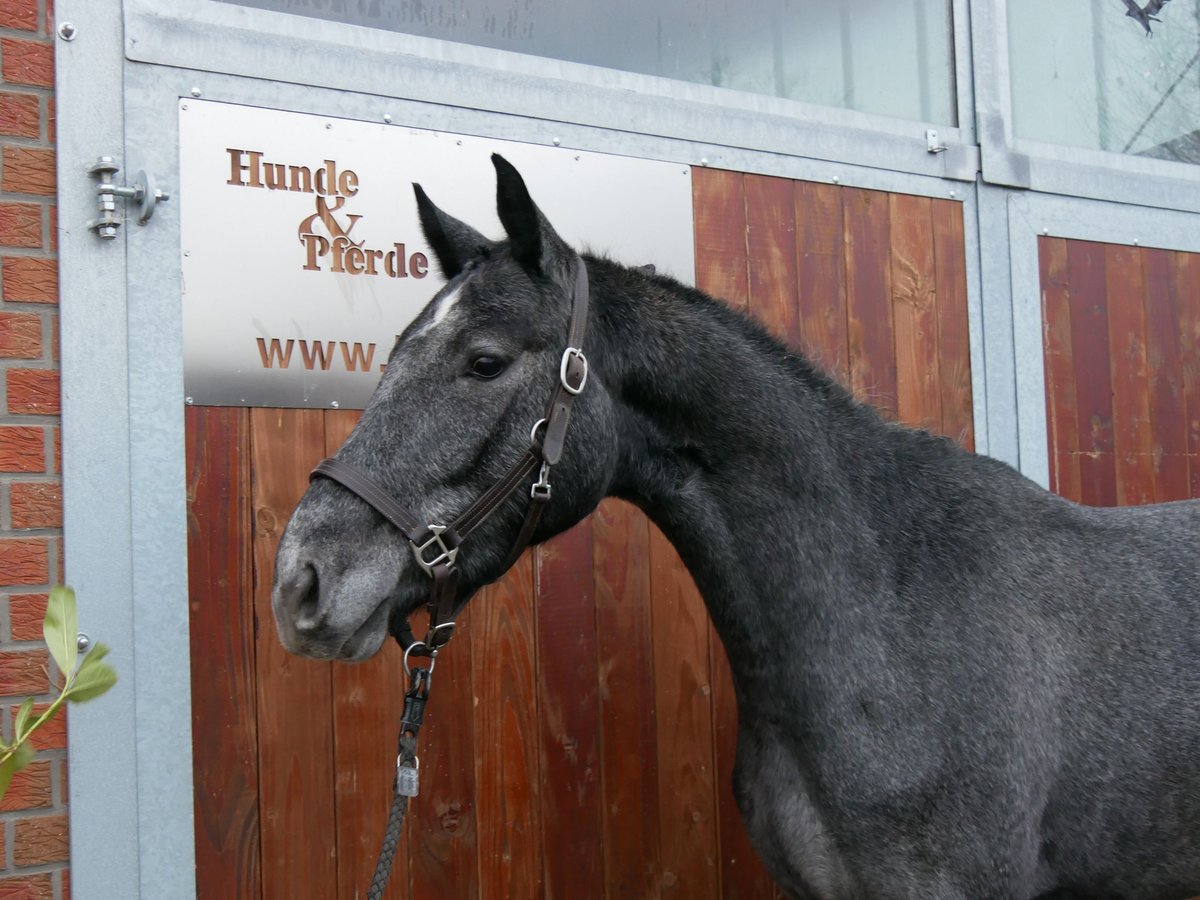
column 302, row 254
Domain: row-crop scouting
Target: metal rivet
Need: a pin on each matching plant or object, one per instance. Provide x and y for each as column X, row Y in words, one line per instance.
column 704, row 160
column 387, row 118
column 837, row 180
column 188, row 400
column 556, row 142
column 953, row 195
column 67, row 31
column 195, row 92
column 1136, row 242
column 334, row 404
column 458, row 143
column 82, row 642
column 328, row 126
column 185, row 106
column 1045, row 231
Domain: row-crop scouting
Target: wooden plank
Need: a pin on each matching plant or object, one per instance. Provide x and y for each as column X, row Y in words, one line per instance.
column 1132, row 437
column 722, row 261
column 224, row 714
column 1062, row 426
column 368, row 699
column 629, row 757
column 569, row 716
column 771, row 244
column 1164, row 364
column 687, row 792
column 295, row 721
column 507, row 772
column 821, row 276
column 869, row 298
column 1093, row 372
column 914, row 311
column 1187, row 289
column 953, row 338
column 442, row 825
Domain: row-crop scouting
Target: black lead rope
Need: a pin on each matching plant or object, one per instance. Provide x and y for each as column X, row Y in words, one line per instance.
column 407, row 781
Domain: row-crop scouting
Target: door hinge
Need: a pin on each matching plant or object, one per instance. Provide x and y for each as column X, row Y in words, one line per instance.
column 142, row 191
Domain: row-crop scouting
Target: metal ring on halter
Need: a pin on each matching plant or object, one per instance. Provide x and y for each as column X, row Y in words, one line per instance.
column 409, row 649
column 533, row 431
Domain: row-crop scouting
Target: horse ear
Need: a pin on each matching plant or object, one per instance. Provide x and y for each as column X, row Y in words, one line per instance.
column 535, row 244
column 454, row 243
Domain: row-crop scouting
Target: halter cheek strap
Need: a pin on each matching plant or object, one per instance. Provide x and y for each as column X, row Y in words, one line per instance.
column 436, row 547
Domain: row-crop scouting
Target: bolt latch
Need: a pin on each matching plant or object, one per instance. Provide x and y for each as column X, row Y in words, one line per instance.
column 142, row 191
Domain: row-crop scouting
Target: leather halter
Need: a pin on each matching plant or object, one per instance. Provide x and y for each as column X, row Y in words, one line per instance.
column 435, row 546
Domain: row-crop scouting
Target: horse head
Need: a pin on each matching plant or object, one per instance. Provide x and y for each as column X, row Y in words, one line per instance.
column 464, row 394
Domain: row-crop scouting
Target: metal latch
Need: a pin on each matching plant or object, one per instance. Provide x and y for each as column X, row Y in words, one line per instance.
column 142, row 191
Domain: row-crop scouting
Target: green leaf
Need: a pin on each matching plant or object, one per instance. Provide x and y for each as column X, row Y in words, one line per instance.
column 14, row 764
column 22, row 718
column 61, row 629
column 93, row 678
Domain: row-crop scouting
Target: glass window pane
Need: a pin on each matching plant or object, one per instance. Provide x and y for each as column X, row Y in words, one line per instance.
column 889, row 57
column 1108, row 75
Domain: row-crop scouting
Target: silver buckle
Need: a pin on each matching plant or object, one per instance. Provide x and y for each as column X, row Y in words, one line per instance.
column 541, row 488
column 445, row 554
column 562, row 370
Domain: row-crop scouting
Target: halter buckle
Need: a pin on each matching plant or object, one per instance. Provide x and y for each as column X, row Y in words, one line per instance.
column 442, row 553
column 564, row 366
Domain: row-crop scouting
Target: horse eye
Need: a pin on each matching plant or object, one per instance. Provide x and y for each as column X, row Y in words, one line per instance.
column 486, row 366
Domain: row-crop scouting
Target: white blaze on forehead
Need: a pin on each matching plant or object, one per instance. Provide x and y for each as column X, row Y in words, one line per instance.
column 444, row 307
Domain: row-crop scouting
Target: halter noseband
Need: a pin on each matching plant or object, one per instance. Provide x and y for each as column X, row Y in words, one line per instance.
column 436, row 546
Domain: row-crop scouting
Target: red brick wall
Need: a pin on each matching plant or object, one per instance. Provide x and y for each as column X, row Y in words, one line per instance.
column 33, row 820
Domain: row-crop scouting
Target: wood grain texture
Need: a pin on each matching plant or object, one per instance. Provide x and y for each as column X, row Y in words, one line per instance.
column 1187, row 276
column 569, row 715
column 1093, row 379
column 224, row 709
column 869, row 298
column 507, row 769
column 296, row 762
column 1133, row 455
column 821, row 276
column 914, row 311
column 632, row 840
column 771, row 244
column 953, row 329
column 687, row 792
column 1164, row 369
column 719, row 210
column 1061, row 418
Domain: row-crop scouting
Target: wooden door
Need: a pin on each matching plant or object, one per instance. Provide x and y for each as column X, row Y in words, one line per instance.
column 1122, row 358
column 580, row 738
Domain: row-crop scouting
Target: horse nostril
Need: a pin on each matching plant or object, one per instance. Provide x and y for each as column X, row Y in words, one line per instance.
column 305, row 591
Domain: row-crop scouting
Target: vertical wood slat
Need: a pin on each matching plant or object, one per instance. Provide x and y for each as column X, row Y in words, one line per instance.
column 687, row 793
column 1061, row 418
column 953, row 329
column 568, row 710
column 914, row 311
column 621, row 551
column 821, row 276
column 869, row 298
column 1164, row 366
column 1132, row 435
column 507, row 771
column 367, row 704
column 224, row 712
column 1093, row 386
column 1187, row 281
column 296, row 762
column 719, row 204
column 771, row 244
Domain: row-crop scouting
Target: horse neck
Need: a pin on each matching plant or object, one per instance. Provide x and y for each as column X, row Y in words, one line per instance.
column 753, row 463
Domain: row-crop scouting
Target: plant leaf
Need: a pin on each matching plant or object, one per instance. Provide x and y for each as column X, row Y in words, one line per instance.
column 93, row 678
column 22, row 718
column 61, row 629
column 14, row 764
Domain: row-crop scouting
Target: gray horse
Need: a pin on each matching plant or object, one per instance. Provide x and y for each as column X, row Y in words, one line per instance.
column 950, row 683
